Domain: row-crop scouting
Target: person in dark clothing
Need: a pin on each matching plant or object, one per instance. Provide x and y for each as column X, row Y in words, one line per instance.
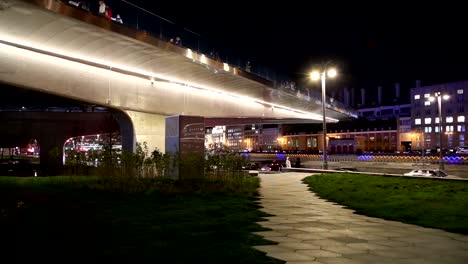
column 298, row 163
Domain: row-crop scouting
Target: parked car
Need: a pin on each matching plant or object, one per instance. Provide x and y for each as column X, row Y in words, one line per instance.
column 250, row 166
column 462, row 150
column 427, row 173
column 274, row 166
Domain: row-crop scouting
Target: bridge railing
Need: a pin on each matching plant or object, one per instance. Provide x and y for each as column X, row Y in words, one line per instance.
column 143, row 19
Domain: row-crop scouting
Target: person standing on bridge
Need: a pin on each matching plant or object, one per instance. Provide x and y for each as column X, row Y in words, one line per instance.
column 288, row 163
column 118, row 19
column 102, row 8
column 108, row 12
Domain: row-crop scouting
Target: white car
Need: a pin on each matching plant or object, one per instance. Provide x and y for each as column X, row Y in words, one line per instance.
column 426, row 173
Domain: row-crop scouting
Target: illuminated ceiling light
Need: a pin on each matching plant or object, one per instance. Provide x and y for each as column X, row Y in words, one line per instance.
column 125, row 70
column 331, row 73
column 315, row 75
column 189, row 54
column 203, row 59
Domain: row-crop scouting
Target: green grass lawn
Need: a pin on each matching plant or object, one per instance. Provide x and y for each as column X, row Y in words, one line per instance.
column 54, row 221
column 432, row 203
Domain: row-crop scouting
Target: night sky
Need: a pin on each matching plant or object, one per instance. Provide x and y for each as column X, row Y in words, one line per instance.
column 370, row 44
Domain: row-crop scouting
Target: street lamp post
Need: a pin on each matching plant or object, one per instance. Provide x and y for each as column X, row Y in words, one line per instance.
column 439, row 97
column 323, row 74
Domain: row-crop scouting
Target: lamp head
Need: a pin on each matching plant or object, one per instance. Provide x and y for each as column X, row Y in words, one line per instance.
column 331, row 73
column 315, row 75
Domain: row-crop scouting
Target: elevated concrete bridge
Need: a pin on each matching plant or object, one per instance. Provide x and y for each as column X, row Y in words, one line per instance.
column 48, row 46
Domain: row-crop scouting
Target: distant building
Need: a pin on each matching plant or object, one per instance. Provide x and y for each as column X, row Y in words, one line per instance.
column 425, row 124
column 379, row 128
column 347, row 137
column 243, row 137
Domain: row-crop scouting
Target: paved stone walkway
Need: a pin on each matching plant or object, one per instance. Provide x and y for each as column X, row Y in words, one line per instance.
column 311, row 230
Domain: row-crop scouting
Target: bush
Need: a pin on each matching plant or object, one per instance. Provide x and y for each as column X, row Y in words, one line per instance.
column 141, row 171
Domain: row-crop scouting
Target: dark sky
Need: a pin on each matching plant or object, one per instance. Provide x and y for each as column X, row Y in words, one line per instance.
column 371, row 44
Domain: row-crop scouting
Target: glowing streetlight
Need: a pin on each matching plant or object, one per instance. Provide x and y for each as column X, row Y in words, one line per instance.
column 322, row 74
column 439, row 103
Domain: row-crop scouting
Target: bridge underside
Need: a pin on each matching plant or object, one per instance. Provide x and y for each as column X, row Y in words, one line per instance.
column 55, row 49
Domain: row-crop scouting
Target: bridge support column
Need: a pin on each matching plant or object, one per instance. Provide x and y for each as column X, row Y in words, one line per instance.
column 127, row 131
column 149, row 128
column 51, row 141
column 185, row 141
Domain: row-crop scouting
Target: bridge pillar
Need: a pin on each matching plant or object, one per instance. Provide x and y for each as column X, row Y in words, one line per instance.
column 127, row 131
column 51, row 152
column 185, row 141
column 149, row 128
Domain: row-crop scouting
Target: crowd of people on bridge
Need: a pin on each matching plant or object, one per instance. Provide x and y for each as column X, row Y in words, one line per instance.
column 103, row 9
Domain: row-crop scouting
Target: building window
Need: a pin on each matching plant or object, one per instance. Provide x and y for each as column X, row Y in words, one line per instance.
column 436, row 129
column 417, row 121
column 461, row 109
column 449, row 128
column 436, row 120
column 417, row 96
column 427, row 95
column 461, row 119
column 428, row 111
column 427, row 129
column 450, row 140
column 461, row 128
column 459, row 91
column 461, row 139
column 427, row 120
column 449, row 119
column 426, row 103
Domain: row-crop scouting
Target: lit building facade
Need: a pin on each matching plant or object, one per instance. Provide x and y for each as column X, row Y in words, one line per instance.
column 243, row 137
column 383, row 128
column 348, row 137
column 425, row 116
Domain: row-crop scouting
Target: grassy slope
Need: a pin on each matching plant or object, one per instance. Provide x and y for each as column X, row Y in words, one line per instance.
column 426, row 202
column 65, row 224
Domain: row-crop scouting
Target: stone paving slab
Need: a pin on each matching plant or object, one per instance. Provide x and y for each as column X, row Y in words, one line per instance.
column 312, row 230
